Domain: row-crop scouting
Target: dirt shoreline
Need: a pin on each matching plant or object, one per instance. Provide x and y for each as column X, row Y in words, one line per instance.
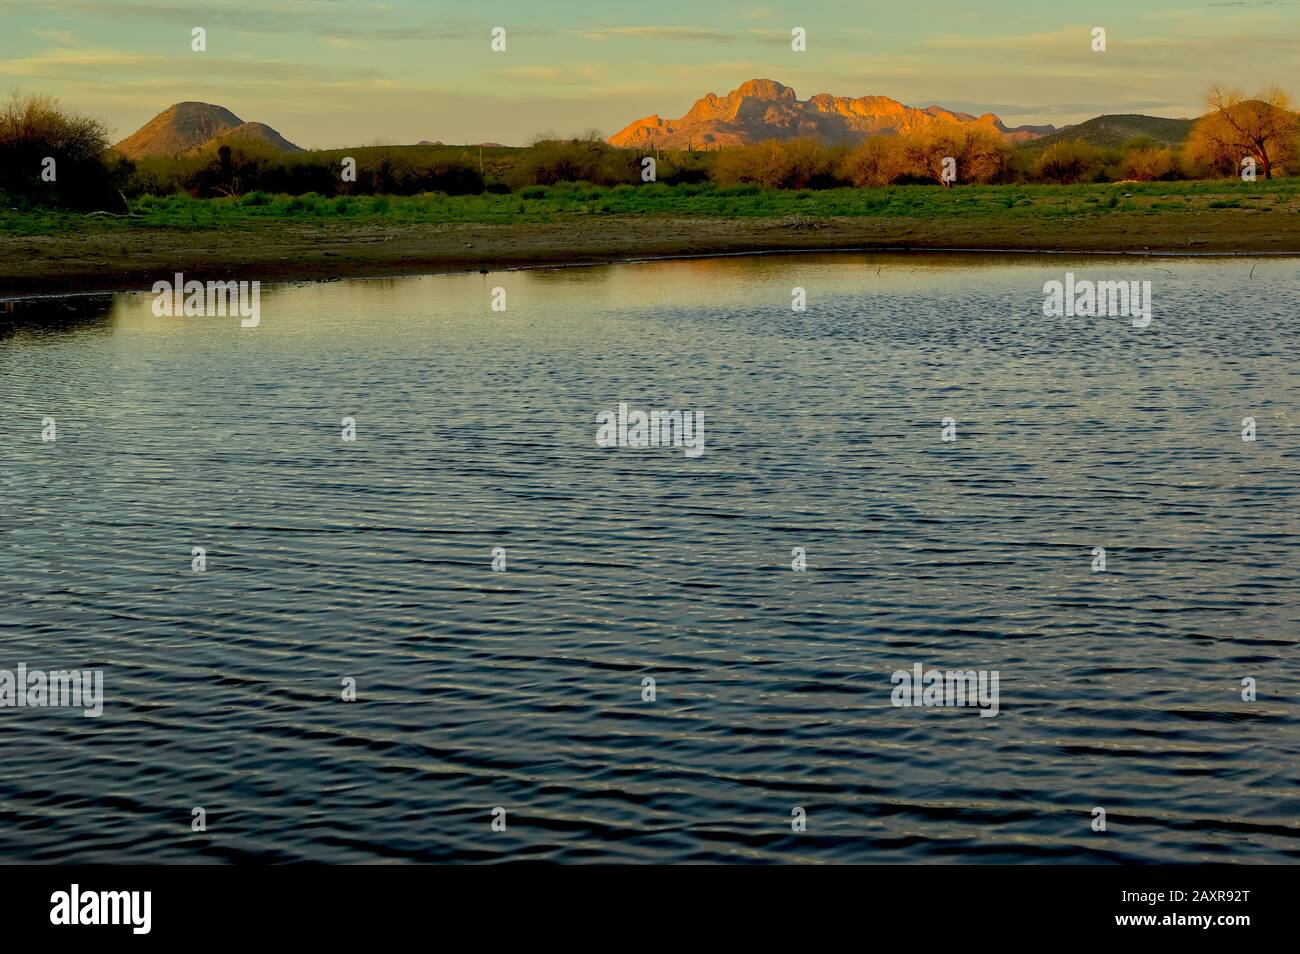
column 133, row 259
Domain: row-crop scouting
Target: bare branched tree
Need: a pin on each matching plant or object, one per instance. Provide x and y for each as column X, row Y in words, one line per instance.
column 1262, row 127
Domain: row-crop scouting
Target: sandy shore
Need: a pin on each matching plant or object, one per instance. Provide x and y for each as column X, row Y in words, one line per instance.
column 128, row 259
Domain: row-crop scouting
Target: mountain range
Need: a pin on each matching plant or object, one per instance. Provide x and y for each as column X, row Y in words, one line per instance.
column 755, row 111
column 765, row 109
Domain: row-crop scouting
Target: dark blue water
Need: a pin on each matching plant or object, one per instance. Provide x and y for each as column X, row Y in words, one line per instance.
column 522, row 689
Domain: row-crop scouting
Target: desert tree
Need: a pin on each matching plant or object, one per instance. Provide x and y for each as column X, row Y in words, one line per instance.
column 774, row 164
column 34, row 128
column 980, row 153
column 1145, row 160
column 1069, row 161
column 923, row 152
column 877, row 162
column 1263, row 127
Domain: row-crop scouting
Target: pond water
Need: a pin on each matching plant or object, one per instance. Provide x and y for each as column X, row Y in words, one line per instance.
column 332, row 563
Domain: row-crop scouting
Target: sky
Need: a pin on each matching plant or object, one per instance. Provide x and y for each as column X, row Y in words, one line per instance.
column 328, row 73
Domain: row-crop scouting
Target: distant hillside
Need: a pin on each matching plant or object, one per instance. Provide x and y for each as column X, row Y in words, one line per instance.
column 764, row 109
column 1111, row 131
column 256, row 132
column 186, row 127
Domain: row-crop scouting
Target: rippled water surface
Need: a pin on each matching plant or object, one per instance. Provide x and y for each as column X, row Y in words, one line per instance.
column 522, row 689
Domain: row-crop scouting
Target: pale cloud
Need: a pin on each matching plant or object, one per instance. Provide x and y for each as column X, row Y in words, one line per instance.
column 552, row 75
column 1184, row 36
column 56, row 36
column 52, row 62
column 843, row 36
column 425, row 34
column 65, row 64
column 1056, row 41
column 312, row 17
column 780, row 37
column 659, row 33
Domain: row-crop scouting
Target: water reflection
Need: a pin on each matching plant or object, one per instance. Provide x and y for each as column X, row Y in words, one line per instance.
column 476, row 429
column 52, row 316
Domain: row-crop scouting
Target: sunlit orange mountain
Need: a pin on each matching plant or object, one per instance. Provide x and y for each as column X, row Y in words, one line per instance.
column 764, row 109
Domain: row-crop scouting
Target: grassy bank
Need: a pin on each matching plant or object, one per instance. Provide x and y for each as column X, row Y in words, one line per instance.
column 539, row 204
column 280, row 238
